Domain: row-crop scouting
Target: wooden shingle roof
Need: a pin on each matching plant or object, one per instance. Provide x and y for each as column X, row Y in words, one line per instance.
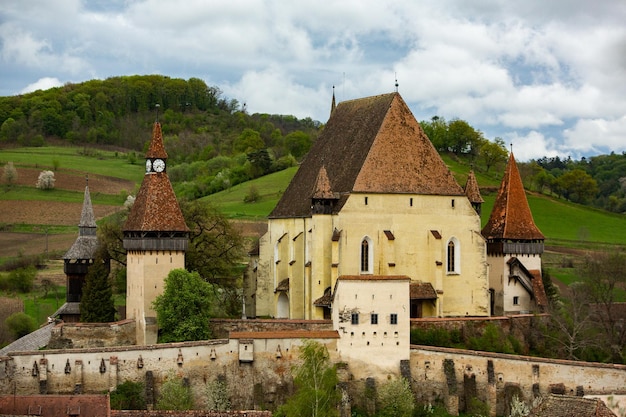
column 369, row 145
column 569, row 406
column 511, row 218
column 86, row 244
column 156, row 208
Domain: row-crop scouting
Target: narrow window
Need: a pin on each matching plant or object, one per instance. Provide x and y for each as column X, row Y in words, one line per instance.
column 355, row 318
column 393, row 319
column 374, row 318
column 516, row 300
column 366, row 201
column 411, row 201
column 365, row 255
column 453, row 203
column 450, row 256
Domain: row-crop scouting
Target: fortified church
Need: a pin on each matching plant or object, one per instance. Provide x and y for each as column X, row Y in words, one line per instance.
column 372, row 231
column 372, row 207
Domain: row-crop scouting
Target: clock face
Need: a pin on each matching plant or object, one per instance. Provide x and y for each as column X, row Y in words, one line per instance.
column 158, row 165
column 148, row 165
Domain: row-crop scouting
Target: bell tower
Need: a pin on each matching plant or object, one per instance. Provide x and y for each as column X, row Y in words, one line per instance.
column 155, row 239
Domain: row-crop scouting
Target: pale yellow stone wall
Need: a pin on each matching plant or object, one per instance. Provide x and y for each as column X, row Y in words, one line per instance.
column 414, row 252
column 361, row 343
column 145, row 275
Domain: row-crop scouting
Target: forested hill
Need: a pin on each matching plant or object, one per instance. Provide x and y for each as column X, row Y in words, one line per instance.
column 206, row 134
column 116, row 111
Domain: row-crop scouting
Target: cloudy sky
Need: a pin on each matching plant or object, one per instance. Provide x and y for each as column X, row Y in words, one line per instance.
column 547, row 76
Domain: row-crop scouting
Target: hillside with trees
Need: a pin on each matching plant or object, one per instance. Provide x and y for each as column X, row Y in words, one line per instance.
column 213, row 143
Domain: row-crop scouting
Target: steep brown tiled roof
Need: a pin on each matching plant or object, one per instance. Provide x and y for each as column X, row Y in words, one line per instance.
column 569, row 406
column 156, row 208
column 156, row 149
column 471, row 189
column 369, row 145
column 511, row 217
column 422, row 291
column 322, row 185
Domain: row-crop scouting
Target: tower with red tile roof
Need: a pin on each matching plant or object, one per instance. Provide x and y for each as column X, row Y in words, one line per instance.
column 155, row 238
column 514, row 248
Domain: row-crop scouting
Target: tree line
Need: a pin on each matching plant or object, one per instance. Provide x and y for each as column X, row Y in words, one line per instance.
column 599, row 181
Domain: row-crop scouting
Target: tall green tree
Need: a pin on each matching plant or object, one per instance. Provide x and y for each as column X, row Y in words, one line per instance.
column 184, row 308
column 493, row 153
column 316, row 381
column 578, row 186
column 96, row 303
column 214, row 252
column 604, row 275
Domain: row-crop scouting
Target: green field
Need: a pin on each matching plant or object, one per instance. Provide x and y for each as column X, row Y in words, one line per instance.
column 88, row 160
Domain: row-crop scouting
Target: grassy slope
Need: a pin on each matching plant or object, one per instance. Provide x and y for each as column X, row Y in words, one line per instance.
column 561, row 222
column 99, row 162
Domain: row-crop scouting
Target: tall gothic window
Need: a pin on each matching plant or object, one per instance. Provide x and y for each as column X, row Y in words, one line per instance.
column 453, row 257
column 366, row 255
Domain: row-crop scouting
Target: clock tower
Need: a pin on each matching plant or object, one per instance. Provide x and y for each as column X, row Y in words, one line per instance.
column 155, row 239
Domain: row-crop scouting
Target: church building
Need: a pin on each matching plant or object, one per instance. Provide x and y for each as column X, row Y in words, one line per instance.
column 155, row 239
column 374, row 207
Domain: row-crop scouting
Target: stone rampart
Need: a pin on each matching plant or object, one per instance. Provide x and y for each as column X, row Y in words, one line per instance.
column 258, row 371
column 438, row 373
column 190, row 413
column 93, row 335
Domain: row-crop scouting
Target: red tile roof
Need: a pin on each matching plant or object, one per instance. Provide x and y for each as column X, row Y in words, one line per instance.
column 156, row 149
column 156, row 208
column 569, row 406
column 287, row 334
column 322, row 185
column 472, row 191
column 511, row 218
column 373, row 277
column 369, row 145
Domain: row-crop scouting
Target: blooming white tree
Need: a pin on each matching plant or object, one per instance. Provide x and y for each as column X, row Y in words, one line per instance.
column 46, row 180
column 10, row 174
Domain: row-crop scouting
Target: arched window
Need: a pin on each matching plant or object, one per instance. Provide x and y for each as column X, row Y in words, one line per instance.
column 366, row 256
column 453, row 264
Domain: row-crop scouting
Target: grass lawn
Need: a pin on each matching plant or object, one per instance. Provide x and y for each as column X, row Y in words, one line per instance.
column 22, row 193
column 114, row 164
column 40, row 307
column 269, row 187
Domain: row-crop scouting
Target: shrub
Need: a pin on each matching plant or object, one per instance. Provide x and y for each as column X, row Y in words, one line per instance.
column 395, row 399
column 46, row 180
column 22, row 279
column 128, row 395
column 252, row 196
column 20, row 324
column 175, row 394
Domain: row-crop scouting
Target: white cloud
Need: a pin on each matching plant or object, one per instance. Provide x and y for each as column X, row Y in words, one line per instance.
column 556, row 69
column 42, row 84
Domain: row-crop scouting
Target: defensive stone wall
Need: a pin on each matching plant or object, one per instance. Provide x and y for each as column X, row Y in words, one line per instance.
column 190, row 413
column 93, row 335
column 257, row 372
column 454, row 376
